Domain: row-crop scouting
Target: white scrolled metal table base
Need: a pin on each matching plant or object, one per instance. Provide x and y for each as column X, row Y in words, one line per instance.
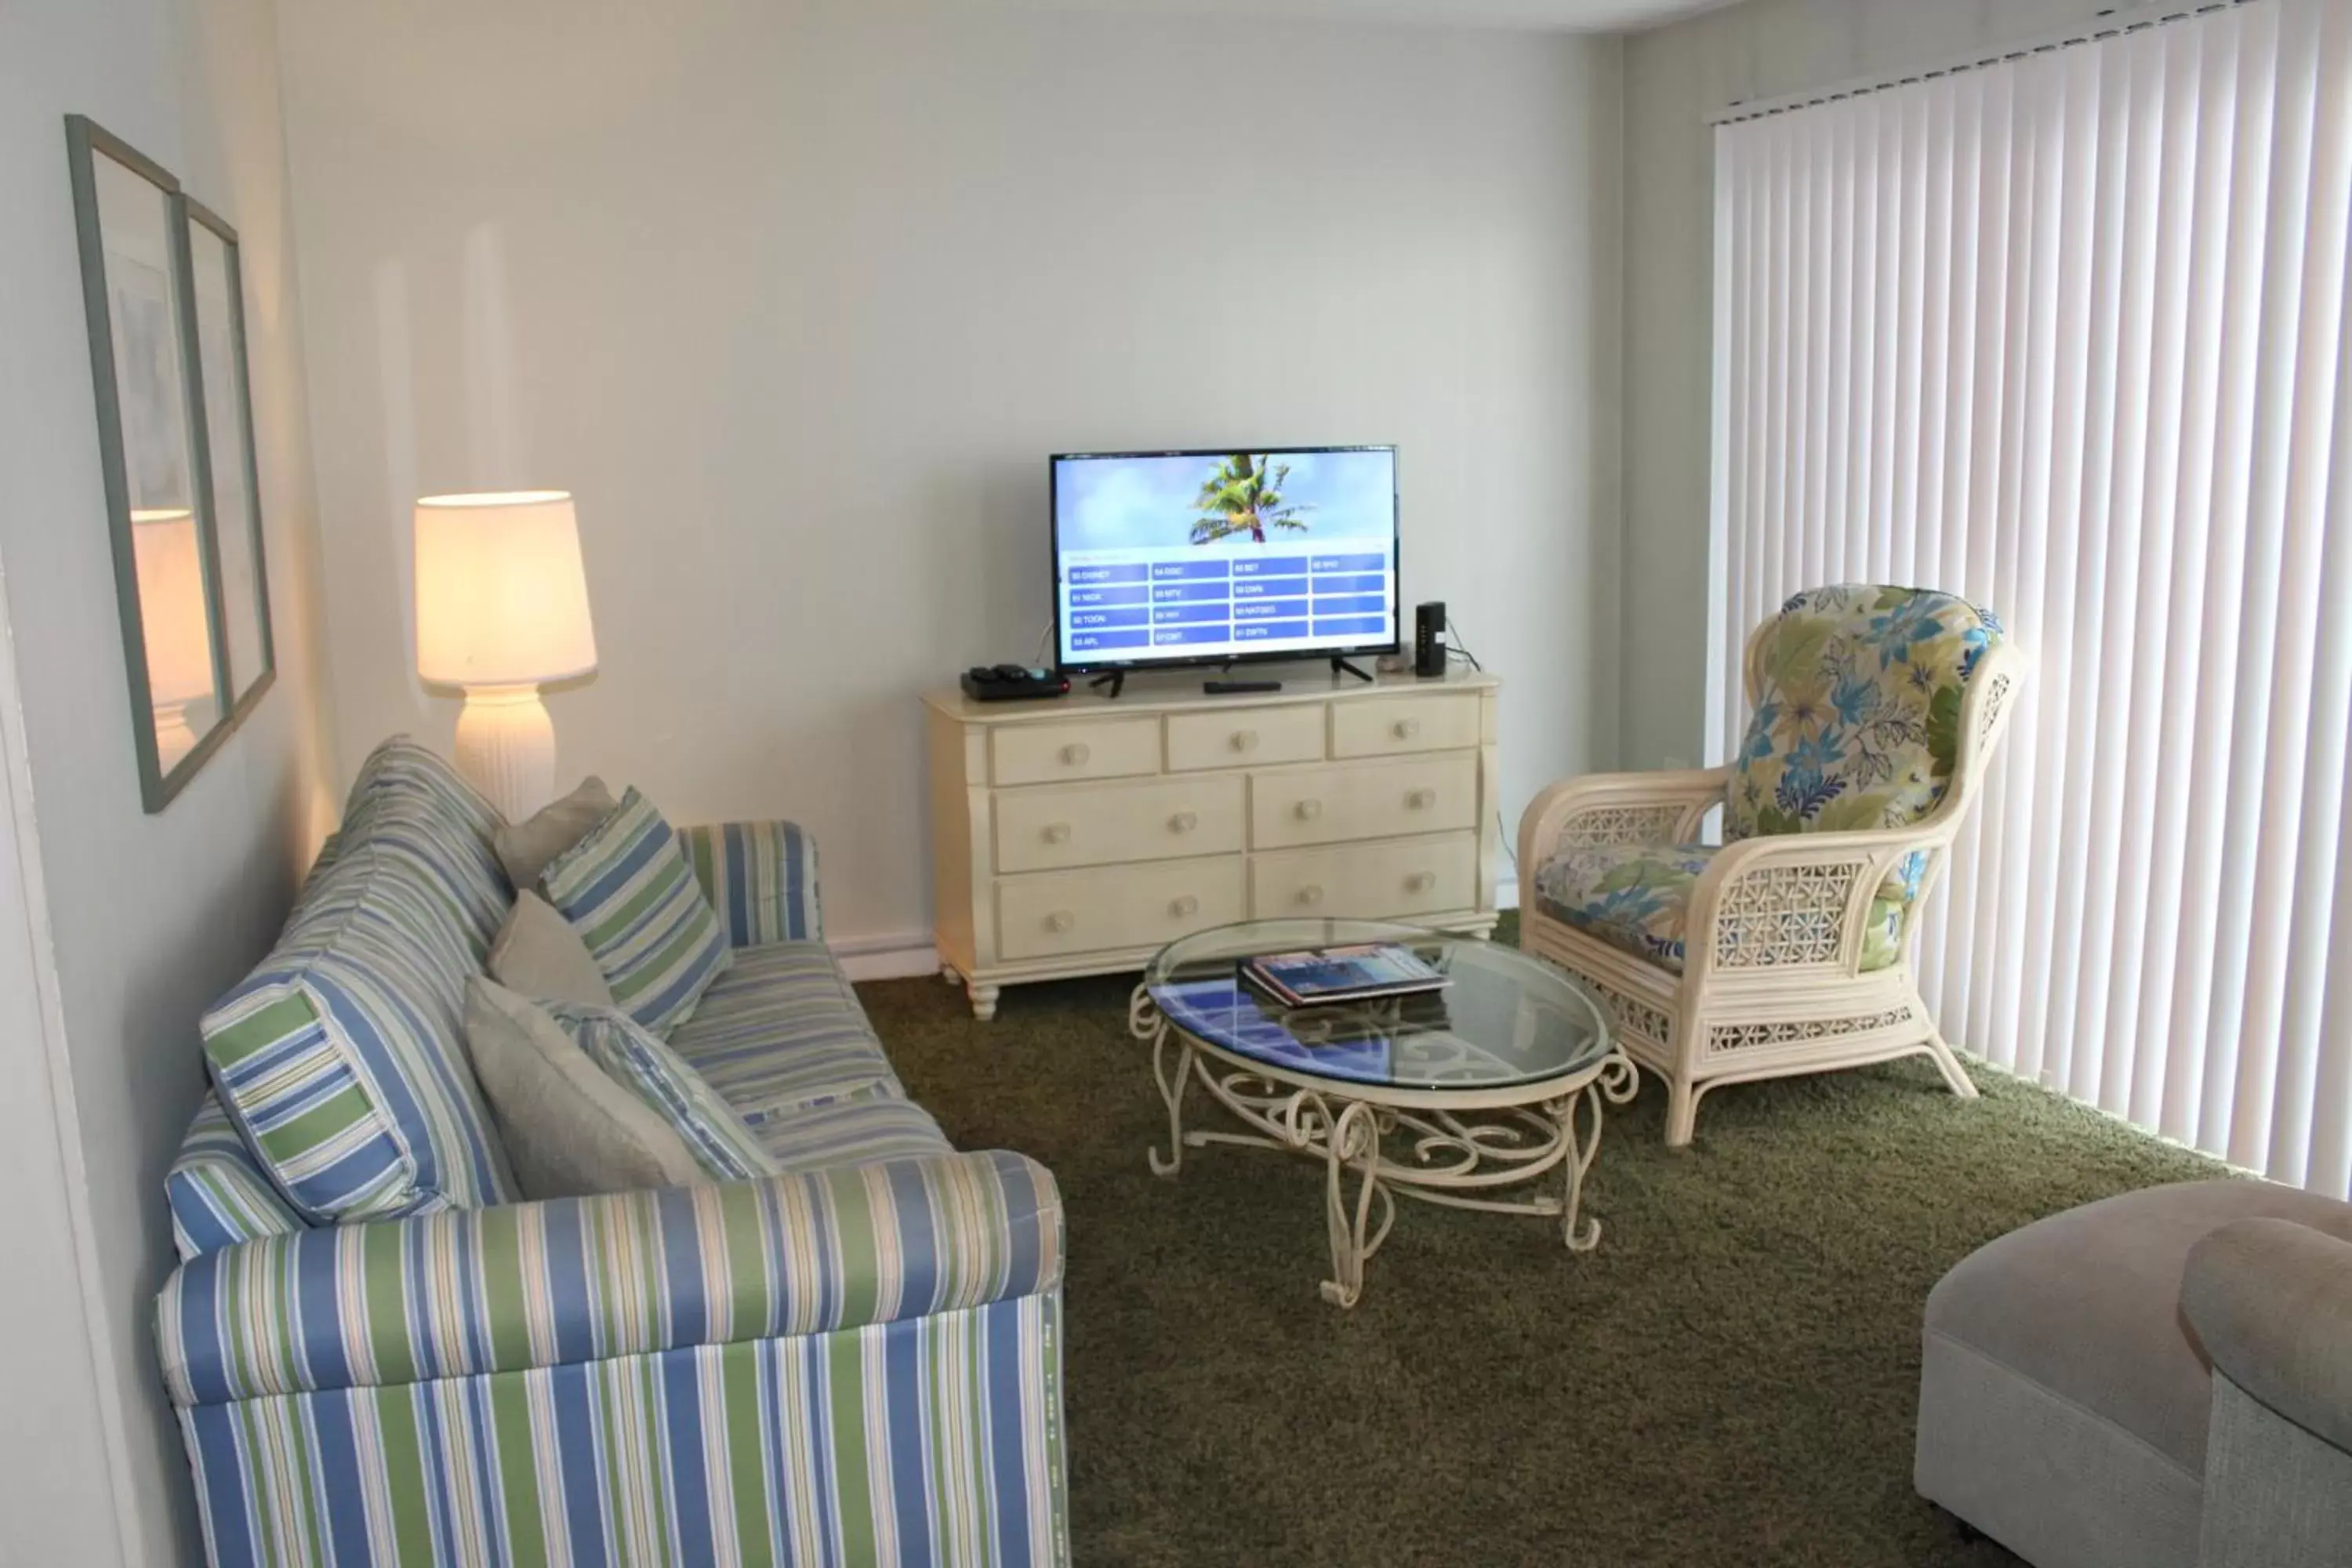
column 1428, row 1152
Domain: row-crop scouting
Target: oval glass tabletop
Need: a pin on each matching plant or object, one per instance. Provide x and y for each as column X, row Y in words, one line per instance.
column 1503, row 1019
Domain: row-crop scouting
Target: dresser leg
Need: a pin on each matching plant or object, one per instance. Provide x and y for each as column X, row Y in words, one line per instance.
column 948, row 973
column 983, row 1000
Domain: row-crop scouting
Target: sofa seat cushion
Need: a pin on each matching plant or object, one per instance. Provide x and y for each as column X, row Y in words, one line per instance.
column 782, row 1031
column 2063, row 1401
column 1637, row 896
column 851, row 1133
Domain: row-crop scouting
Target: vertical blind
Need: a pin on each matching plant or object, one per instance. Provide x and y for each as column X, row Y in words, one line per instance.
column 2065, row 334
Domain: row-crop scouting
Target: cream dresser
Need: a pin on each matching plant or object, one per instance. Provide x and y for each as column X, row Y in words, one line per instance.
column 1080, row 837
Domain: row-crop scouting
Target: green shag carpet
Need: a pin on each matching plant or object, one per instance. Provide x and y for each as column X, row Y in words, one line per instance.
column 1731, row 1378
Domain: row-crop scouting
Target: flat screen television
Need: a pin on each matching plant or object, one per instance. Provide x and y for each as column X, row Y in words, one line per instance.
column 1176, row 558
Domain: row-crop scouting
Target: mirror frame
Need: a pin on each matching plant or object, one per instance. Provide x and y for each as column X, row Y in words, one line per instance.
column 86, row 143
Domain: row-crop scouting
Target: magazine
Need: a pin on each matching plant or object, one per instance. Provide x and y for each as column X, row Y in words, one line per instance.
column 1325, row 975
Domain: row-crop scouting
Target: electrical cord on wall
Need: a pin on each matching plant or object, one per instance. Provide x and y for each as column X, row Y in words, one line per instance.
column 1045, row 643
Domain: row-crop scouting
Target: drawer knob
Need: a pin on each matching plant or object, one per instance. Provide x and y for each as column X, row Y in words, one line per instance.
column 1058, row 833
column 1184, row 822
column 1076, row 753
column 1185, row 907
column 1309, row 810
column 1420, row 799
column 1420, row 882
column 1311, row 896
column 1060, row 920
column 1246, row 740
column 1406, row 728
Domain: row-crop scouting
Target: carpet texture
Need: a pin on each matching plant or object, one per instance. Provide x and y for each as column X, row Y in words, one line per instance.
column 1731, row 1378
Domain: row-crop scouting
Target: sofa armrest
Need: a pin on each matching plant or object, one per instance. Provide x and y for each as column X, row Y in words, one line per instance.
column 578, row 1279
column 761, row 878
column 2272, row 1302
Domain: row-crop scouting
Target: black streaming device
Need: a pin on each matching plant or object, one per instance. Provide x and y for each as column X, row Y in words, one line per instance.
column 1429, row 639
column 1012, row 683
column 1228, row 687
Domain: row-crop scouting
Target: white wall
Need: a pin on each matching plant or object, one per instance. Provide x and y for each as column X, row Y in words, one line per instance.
column 1675, row 77
column 148, row 918
column 797, row 299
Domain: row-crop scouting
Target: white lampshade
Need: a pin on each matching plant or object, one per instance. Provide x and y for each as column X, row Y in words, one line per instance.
column 501, row 599
column 171, row 616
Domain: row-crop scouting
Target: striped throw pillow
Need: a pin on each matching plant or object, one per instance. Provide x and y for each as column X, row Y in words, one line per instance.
column 634, row 900
column 633, row 1058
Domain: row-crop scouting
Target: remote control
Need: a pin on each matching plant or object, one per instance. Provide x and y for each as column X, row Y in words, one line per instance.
column 1229, row 688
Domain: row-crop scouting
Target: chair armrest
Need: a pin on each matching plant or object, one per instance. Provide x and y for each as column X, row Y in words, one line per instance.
column 1748, row 909
column 577, row 1279
column 2272, row 1302
column 761, row 878
column 1658, row 807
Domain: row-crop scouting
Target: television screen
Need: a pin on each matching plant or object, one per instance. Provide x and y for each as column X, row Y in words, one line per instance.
column 1200, row 557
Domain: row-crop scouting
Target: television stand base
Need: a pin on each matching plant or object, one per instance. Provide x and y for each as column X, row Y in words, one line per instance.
column 1340, row 666
column 1116, row 680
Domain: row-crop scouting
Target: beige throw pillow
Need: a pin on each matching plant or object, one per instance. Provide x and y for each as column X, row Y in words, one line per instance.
column 570, row 1129
column 541, row 954
column 524, row 848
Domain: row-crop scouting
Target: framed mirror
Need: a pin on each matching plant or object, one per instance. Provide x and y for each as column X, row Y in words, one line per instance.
column 227, row 408
column 161, row 292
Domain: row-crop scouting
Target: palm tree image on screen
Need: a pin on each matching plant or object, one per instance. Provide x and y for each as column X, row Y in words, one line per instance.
column 1244, row 495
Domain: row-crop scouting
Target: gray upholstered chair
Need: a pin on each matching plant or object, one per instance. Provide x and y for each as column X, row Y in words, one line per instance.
column 2160, row 1380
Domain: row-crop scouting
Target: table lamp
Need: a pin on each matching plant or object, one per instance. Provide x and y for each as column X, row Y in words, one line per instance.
column 502, row 607
column 173, row 622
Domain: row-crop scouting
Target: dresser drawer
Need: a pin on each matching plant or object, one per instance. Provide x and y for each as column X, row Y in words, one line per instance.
column 1096, row 825
column 1383, row 726
column 1369, row 800
column 1115, row 907
column 1095, row 749
column 1245, row 737
column 1368, row 881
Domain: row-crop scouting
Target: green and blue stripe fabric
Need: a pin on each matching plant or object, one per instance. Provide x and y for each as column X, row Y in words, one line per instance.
column 522, row 1285
column 635, row 1057
column 761, row 878
column 634, row 900
column 852, row 1132
column 932, row 1441
column 342, row 1059
column 219, row 1195
column 780, row 1031
column 853, row 1366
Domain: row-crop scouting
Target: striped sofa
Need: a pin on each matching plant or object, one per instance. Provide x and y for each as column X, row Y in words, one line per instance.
column 380, row 1354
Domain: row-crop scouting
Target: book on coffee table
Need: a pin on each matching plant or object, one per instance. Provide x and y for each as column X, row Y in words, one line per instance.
column 1315, row 976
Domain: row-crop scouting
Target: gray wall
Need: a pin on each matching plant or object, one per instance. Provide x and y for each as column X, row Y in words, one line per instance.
column 1675, row 77
column 798, row 298
column 148, row 918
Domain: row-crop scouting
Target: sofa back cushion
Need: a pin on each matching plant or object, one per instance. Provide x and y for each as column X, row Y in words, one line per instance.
column 1855, row 695
column 341, row 1059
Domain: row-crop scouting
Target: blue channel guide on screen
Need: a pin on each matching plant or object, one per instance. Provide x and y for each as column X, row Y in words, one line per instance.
column 1210, row 557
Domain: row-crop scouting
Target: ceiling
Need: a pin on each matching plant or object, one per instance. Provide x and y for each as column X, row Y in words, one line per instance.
column 1557, row 15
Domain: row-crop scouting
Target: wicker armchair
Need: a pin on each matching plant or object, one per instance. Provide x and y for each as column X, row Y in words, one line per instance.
column 1787, row 947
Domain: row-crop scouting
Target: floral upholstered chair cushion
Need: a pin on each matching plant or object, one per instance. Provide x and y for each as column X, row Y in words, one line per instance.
column 1857, row 692
column 1637, row 896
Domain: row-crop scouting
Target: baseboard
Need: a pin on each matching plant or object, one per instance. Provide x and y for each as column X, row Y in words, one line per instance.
column 891, row 956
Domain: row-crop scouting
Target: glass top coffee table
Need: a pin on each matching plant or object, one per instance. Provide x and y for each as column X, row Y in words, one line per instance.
column 1468, row 1097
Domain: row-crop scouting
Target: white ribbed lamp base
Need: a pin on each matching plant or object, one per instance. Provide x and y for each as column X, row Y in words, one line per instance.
column 506, row 748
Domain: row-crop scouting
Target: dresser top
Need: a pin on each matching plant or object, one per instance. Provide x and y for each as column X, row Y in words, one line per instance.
column 1178, row 691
